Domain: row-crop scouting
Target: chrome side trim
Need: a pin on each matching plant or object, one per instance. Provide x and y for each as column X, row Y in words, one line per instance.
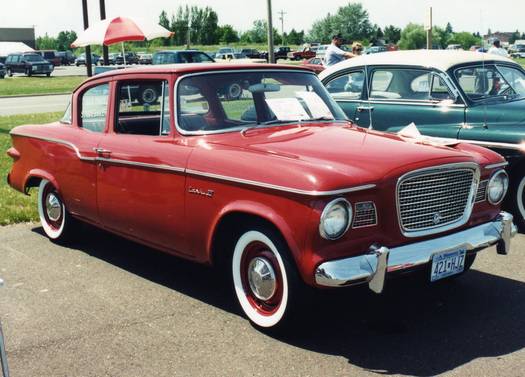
column 279, row 188
column 56, row 141
column 498, row 165
column 368, row 267
column 199, row 173
column 494, row 144
column 141, row 164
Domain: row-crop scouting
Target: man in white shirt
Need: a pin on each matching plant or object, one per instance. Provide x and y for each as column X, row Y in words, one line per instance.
column 334, row 54
column 497, row 50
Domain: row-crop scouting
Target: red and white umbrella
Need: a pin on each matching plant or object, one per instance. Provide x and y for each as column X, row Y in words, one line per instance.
column 120, row 29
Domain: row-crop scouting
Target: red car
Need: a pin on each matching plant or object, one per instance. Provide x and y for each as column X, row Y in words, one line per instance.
column 314, row 64
column 276, row 185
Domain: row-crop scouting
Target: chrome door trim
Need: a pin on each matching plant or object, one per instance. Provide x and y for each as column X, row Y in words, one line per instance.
column 498, row 165
column 280, row 188
column 117, row 161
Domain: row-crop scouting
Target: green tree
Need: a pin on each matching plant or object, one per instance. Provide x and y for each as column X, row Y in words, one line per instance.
column 227, row 34
column 165, row 23
column 46, row 43
column 413, row 37
column 392, row 34
column 259, row 33
column 295, row 37
column 515, row 36
column 179, row 25
column 465, row 39
column 352, row 21
column 64, row 40
column 448, row 28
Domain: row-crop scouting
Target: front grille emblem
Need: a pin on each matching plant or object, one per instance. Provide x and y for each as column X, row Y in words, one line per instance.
column 436, row 219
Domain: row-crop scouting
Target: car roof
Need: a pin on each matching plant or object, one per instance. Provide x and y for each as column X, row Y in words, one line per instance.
column 438, row 59
column 198, row 68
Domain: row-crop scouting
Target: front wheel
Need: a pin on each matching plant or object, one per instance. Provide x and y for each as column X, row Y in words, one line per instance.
column 57, row 223
column 265, row 281
column 516, row 196
column 9, row 72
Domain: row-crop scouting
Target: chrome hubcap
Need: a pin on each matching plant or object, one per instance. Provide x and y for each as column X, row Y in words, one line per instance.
column 53, row 207
column 261, row 277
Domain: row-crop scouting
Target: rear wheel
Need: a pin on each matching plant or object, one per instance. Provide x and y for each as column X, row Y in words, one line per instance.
column 233, row 91
column 148, row 95
column 264, row 278
column 516, row 196
column 9, row 72
column 56, row 221
column 28, row 71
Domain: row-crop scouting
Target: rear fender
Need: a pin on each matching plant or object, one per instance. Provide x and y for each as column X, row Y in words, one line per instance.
column 38, row 174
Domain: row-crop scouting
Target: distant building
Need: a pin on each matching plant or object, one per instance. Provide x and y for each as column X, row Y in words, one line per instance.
column 14, row 34
column 503, row 37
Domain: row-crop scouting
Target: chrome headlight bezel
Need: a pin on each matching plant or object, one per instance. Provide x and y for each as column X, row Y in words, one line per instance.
column 492, row 181
column 334, row 204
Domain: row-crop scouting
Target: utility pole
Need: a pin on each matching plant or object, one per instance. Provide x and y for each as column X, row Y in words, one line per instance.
column 282, row 13
column 103, row 17
column 88, row 48
column 429, row 29
column 271, row 56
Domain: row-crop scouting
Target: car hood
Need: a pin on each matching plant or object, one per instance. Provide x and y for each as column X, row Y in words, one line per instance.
column 323, row 156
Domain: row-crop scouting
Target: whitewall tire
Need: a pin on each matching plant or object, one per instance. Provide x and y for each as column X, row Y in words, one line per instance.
column 55, row 220
column 261, row 279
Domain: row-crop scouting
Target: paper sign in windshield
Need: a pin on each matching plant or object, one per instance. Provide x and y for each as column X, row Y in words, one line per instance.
column 316, row 105
column 287, row 109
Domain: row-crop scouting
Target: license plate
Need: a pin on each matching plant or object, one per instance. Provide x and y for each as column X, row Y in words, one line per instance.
column 447, row 263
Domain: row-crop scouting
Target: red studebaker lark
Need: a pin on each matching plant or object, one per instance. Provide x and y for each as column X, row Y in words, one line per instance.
column 274, row 182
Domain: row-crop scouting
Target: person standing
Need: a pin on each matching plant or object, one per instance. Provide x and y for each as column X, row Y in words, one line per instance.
column 497, row 50
column 334, row 54
column 357, row 48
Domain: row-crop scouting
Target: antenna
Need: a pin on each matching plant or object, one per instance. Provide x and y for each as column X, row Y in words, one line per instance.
column 483, row 69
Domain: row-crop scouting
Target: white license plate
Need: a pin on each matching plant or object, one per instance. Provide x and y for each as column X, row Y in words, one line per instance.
column 447, row 263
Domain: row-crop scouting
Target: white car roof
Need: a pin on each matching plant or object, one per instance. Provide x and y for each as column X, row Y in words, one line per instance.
column 438, row 59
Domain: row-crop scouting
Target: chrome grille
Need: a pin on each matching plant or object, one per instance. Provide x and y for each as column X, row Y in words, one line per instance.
column 433, row 199
column 365, row 214
column 482, row 191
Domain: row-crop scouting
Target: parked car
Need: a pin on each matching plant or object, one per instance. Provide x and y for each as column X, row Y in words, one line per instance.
column 518, row 51
column 66, row 57
column 276, row 187
column 321, row 51
column 281, row 52
column 459, row 95
column 454, row 47
column 181, row 56
column 29, row 63
column 315, row 64
column 131, row 58
column 226, row 50
column 145, row 58
column 51, row 56
column 81, row 59
column 2, row 71
column 236, row 58
column 375, row 49
column 303, row 54
column 251, row 53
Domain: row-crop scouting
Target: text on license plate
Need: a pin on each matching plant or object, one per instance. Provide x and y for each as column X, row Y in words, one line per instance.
column 447, row 263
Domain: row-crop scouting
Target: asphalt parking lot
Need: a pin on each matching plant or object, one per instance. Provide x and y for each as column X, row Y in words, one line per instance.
column 108, row 307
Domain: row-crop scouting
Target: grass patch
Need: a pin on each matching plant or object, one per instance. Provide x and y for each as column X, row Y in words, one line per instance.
column 16, row 207
column 520, row 61
column 22, row 85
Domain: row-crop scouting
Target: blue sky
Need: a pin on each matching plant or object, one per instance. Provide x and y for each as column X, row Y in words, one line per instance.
column 467, row 15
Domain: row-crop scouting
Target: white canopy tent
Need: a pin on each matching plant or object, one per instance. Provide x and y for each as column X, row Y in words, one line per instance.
column 7, row 48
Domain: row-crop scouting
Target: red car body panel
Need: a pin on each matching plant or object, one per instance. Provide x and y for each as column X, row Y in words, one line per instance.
column 276, row 173
column 317, row 68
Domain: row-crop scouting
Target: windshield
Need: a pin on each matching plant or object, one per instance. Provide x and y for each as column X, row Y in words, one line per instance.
column 33, row 58
column 221, row 102
column 490, row 82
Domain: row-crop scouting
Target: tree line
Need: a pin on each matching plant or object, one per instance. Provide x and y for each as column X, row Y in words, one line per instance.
column 193, row 25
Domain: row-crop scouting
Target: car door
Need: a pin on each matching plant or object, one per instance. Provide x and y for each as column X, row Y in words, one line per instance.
column 401, row 96
column 141, row 177
column 347, row 90
column 16, row 64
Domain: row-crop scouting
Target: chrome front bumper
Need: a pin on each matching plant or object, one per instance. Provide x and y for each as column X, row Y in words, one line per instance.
column 372, row 267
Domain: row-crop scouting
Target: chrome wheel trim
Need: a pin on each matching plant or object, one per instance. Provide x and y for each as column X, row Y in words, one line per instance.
column 52, row 232
column 53, row 207
column 262, row 279
column 234, row 91
column 149, row 95
column 251, row 312
column 520, row 197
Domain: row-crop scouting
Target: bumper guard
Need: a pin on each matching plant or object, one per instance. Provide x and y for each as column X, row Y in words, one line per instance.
column 372, row 267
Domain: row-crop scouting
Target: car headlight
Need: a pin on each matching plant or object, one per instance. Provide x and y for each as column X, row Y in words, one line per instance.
column 34, row 67
column 50, row 66
column 335, row 219
column 497, row 187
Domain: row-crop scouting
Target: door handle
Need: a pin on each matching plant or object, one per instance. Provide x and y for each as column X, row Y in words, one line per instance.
column 102, row 151
column 365, row 108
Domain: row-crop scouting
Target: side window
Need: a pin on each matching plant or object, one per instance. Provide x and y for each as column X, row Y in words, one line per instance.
column 430, row 87
column 143, row 108
column 66, row 118
column 94, row 108
column 408, row 84
column 347, row 87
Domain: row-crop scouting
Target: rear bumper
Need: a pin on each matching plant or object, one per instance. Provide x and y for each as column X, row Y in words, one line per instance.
column 373, row 266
